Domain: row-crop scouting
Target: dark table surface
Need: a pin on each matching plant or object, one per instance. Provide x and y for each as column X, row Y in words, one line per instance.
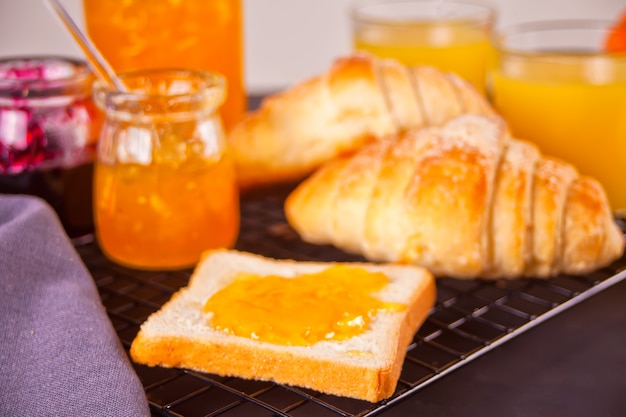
column 573, row 364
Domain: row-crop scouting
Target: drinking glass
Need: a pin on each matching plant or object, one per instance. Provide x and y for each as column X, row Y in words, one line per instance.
column 195, row 34
column 557, row 85
column 452, row 36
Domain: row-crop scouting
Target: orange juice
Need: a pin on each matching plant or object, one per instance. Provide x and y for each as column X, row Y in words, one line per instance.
column 451, row 36
column 572, row 104
column 192, row 34
column 467, row 59
column 164, row 188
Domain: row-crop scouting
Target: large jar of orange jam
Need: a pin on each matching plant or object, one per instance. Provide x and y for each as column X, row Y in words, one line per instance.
column 164, row 184
column 199, row 34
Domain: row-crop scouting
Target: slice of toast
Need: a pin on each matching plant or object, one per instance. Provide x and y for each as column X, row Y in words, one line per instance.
column 366, row 366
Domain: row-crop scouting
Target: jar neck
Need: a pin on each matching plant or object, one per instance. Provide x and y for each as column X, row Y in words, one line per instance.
column 42, row 79
column 162, row 95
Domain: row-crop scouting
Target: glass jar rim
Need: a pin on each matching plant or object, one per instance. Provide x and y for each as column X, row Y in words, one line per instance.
column 500, row 38
column 207, row 95
column 76, row 79
column 369, row 12
column 213, row 82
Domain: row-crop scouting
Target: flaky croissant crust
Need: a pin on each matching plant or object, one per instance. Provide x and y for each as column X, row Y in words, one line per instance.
column 358, row 100
column 463, row 200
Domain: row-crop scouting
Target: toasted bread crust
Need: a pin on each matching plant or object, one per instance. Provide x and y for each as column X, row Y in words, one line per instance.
column 245, row 358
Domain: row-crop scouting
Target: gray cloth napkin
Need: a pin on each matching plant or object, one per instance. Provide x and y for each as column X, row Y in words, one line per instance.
column 59, row 353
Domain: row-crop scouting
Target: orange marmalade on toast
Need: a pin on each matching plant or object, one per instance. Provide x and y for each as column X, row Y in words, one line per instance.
column 336, row 303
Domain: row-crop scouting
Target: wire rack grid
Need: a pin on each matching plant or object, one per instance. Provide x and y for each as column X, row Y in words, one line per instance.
column 470, row 318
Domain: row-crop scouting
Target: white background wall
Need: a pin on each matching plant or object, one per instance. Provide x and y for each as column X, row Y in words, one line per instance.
column 285, row 40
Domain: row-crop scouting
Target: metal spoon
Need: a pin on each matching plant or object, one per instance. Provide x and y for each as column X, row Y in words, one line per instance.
column 98, row 63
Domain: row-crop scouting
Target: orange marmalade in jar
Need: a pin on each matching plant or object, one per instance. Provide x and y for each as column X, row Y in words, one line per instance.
column 199, row 34
column 164, row 183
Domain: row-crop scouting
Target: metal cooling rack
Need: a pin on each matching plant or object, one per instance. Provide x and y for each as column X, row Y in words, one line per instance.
column 470, row 318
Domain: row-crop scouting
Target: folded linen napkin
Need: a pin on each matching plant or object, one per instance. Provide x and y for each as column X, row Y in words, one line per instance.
column 59, row 353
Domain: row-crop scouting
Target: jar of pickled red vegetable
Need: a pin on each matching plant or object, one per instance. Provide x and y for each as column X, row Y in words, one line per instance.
column 49, row 127
column 165, row 187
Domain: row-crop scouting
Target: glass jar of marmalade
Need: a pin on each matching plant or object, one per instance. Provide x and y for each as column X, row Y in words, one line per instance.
column 48, row 133
column 165, row 187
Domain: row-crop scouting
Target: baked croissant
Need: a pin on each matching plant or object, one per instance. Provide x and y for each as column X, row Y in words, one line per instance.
column 464, row 200
column 360, row 99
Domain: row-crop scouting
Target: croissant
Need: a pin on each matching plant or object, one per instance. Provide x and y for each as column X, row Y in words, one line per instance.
column 464, row 200
column 361, row 98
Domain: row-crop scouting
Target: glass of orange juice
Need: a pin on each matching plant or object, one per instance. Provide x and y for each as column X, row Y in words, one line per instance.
column 164, row 184
column 196, row 34
column 452, row 36
column 557, row 85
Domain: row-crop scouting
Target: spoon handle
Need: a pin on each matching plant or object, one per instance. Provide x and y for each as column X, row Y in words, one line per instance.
column 99, row 64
